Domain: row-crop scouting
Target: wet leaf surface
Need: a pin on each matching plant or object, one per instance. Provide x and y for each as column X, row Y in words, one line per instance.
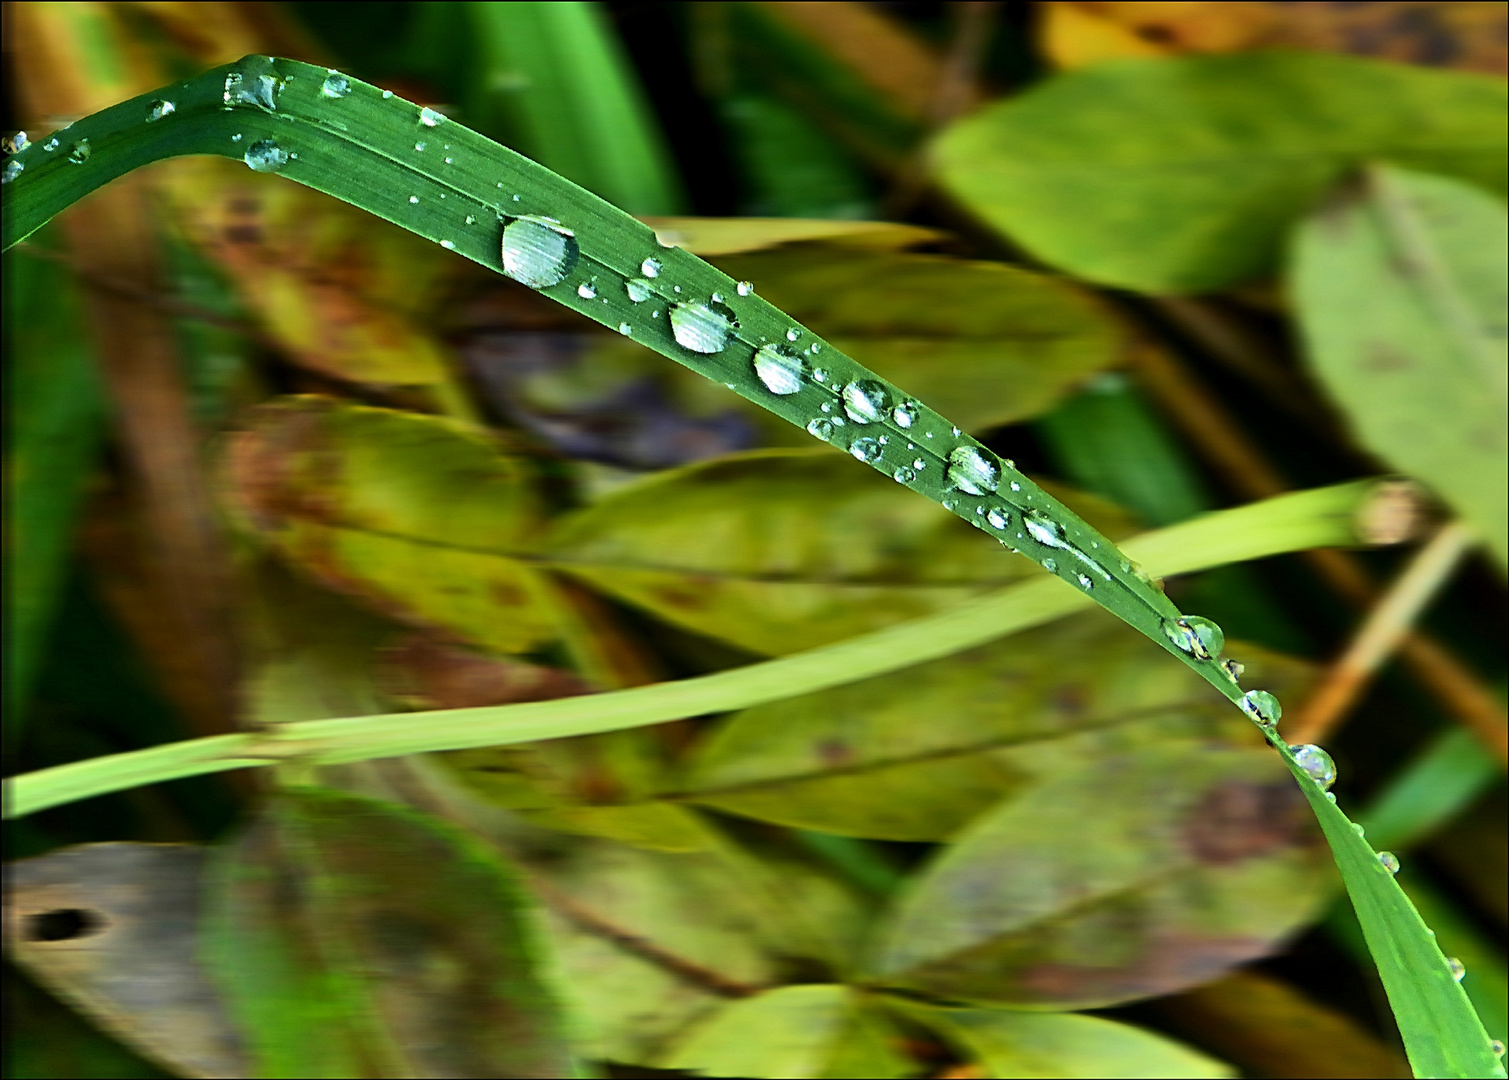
column 1135, row 876
column 413, row 516
column 1400, row 286
column 916, row 755
column 782, row 550
column 352, row 937
column 1182, row 175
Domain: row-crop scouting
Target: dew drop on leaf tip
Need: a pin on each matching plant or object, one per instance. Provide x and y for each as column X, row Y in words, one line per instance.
column 1315, row 763
column 1262, row 707
column 1388, row 861
column 781, row 371
column 538, row 251
column 266, row 156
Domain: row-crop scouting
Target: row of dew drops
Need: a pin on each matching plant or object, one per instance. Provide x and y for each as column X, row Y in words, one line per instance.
column 540, row 252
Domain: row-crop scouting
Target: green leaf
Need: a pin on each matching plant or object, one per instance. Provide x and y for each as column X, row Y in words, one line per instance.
column 1020, row 1044
column 1399, row 287
column 353, row 937
column 854, row 760
column 54, row 429
column 795, row 1031
column 1140, row 874
column 1183, row 174
column 781, row 550
column 418, row 517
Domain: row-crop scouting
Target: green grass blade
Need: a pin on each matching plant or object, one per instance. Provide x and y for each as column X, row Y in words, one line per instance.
column 455, row 187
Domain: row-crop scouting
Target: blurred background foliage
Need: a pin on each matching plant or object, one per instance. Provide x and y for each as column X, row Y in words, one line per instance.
column 268, row 459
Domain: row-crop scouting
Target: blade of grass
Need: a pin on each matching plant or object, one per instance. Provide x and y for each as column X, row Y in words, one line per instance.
column 455, row 187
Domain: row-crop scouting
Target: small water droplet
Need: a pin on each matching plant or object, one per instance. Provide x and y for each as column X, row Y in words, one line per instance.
column 538, row 251
column 430, row 118
column 638, row 289
column 625, row 329
column 1315, row 763
column 972, row 470
column 820, row 374
column 793, row 334
column 815, row 348
column 864, row 400
column 265, row 155
column 1331, row 797
column 1358, row 829
column 515, row 198
column 387, row 94
column 821, row 427
column 236, row 137
column 1233, row 670
column 1262, row 706
column 716, row 298
column 1015, row 486
column 1388, row 861
column 587, row 291
column 470, row 220
column 14, row 144
column 782, row 371
column 1497, row 1047
column 1050, row 565
column 957, row 431
column 79, row 152
column 419, row 146
column 51, row 144
column 918, row 463
column 13, row 169
column 745, row 288
column 1044, row 530
column 448, row 161
column 998, row 518
column 905, row 414
column 413, row 200
column 1457, row 968
column 702, row 328
column 335, row 85
column 159, row 110
column 246, row 88
column 1084, row 580
column 866, row 449
column 448, row 245
column 903, row 475
column 650, row 268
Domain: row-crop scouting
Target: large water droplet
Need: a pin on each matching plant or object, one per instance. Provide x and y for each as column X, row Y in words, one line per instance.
column 13, row 169
column 1044, row 530
column 1212, row 638
column 1195, row 636
column 244, row 88
column 1262, row 706
column 1457, row 968
column 745, row 288
column 265, row 155
column 430, row 118
column 782, row 371
column 1315, row 763
column 538, row 251
column 998, row 518
column 864, row 400
column 866, row 449
column 79, row 152
column 650, row 268
column 335, row 85
column 973, row 471
column 638, row 290
column 1388, row 861
column 821, row 427
column 159, row 110
column 702, row 328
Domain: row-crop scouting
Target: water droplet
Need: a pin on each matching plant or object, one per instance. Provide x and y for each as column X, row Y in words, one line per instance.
column 1457, row 968
column 905, row 414
column 1084, row 580
column 236, row 137
column 12, row 170
column 16, row 143
column 448, row 161
column 158, row 110
column 79, row 153
column 1358, row 829
column 821, row 427
column 820, row 374
column 998, row 518
column 1044, row 530
column 448, row 245
column 538, row 251
column 1315, row 763
column 779, row 369
column 1233, row 670
column 430, row 118
column 1262, row 706
column 793, row 334
column 419, row 146
column 972, row 470
column 866, row 449
column 51, row 144
column 1211, row 636
column 1199, row 637
column 470, row 220
column 903, row 475
column 745, row 288
column 335, row 85
column 702, row 328
column 638, row 289
column 1331, row 797
column 1388, row 861
column 864, row 400
column 957, row 431
column 650, row 268
column 259, row 90
column 1050, row 565
column 1497, row 1047
column 815, row 348
column 587, row 291
column 413, row 200
column 265, row 155
column 387, row 94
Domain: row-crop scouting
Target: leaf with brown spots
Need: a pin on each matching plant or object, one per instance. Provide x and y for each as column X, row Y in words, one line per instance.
column 918, row 754
column 1138, row 875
